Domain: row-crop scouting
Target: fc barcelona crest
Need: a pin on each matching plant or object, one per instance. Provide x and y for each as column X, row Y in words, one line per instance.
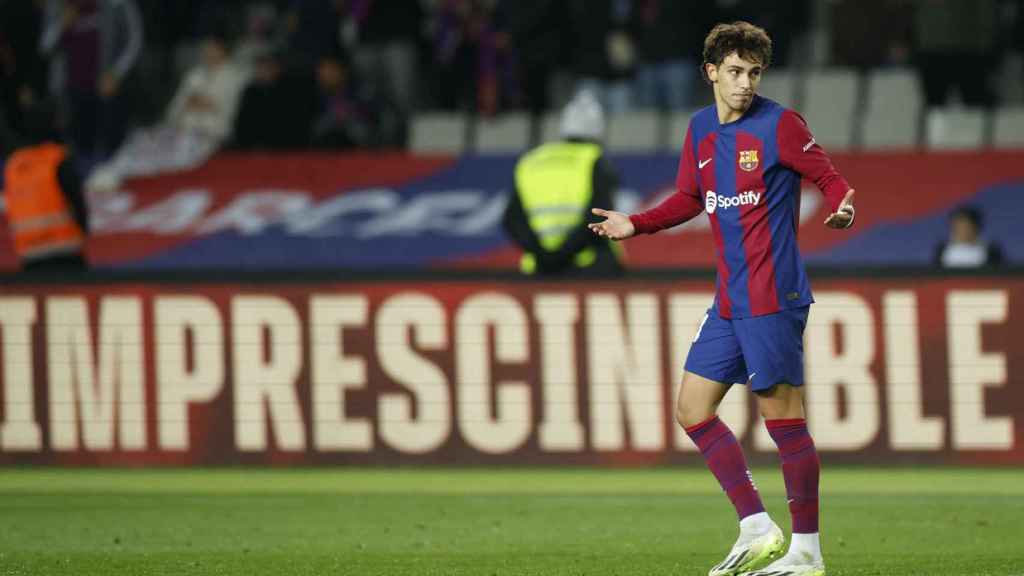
column 748, row 159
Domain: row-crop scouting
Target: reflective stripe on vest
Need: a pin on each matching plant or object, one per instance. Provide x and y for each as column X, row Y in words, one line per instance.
column 41, row 223
column 555, row 184
column 39, row 215
column 52, row 249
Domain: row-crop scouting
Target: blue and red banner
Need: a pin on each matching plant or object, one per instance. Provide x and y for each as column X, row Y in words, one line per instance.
column 360, row 211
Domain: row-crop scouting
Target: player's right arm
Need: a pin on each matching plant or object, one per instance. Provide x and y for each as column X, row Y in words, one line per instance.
column 681, row 206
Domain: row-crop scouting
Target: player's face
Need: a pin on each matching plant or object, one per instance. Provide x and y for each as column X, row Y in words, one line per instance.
column 735, row 81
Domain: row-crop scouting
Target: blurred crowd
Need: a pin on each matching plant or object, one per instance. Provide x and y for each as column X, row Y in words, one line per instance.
column 959, row 47
column 142, row 86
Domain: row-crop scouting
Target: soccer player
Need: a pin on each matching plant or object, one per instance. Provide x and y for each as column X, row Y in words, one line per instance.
column 742, row 163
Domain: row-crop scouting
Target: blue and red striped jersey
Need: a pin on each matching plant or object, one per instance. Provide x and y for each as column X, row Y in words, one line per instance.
column 746, row 175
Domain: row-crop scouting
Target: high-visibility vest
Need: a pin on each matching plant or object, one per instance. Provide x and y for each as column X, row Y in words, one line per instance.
column 39, row 216
column 555, row 185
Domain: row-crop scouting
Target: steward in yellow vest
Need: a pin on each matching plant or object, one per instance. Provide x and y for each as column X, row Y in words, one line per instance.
column 556, row 185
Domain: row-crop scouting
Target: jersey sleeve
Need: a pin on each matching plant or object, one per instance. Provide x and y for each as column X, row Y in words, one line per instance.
column 799, row 151
column 681, row 206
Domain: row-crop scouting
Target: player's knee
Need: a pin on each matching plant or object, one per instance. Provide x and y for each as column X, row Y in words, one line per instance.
column 688, row 415
column 780, row 401
column 681, row 416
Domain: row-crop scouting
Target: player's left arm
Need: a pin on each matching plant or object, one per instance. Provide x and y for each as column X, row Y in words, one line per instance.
column 799, row 151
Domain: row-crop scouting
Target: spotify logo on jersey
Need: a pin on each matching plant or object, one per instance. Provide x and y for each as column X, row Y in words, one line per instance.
column 711, row 202
column 714, row 201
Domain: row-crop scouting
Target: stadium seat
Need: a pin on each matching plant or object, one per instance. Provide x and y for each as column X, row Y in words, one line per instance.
column 438, row 133
column 955, row 128
column 635, row 132
column 829, row 106
column 509, row 133
column 1009, row 128
column 677, row 125
column 893, row 111
column 780, row 85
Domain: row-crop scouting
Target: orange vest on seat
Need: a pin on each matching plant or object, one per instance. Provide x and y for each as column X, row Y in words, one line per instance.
column 38, row 213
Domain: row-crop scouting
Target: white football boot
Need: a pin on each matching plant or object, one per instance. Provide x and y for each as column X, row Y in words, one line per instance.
column 792, row 564
column 751, row 551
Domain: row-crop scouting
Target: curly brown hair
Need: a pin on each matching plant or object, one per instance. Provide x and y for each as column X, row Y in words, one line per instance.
column 749, row 42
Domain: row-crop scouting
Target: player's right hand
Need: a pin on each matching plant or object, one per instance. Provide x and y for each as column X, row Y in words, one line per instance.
column 616, row 226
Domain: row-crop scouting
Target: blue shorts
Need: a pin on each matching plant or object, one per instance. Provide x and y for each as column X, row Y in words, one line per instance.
column 762, row 350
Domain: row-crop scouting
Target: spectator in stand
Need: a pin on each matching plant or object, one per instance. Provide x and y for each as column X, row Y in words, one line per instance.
column 603, row 54
column 785, row 21
column 955, row 48
column 888, row 22
column 353, row 115
column 199, row 119
column 339, row 122
column 454, row 56
column 277, row 108
column 260, row 36
column 384, row 35
column 965, row 247
column 1016, row 25
column 313, row 29
column 471, row 49
column 537, row 39
column 23, row 71
column 497, row 87
column 100, row 41
column 668, row 36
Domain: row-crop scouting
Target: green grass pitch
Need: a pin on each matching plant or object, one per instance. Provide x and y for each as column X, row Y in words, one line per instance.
column 488, row 522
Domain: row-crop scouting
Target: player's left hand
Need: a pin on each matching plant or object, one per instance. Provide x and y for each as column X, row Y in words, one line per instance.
column 843, row 217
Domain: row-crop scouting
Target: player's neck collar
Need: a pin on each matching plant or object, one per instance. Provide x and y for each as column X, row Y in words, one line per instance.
column 746, row 114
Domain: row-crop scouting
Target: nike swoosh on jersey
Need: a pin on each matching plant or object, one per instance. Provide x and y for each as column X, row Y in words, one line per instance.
column 703, row 163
